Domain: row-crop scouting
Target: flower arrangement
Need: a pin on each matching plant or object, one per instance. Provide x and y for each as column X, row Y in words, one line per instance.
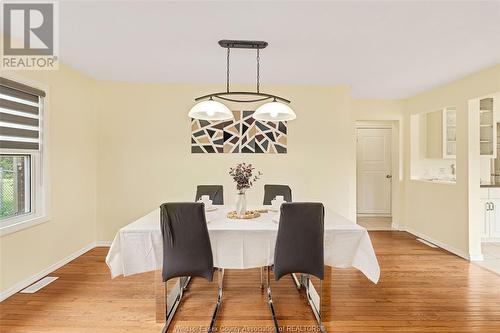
column 243, row 176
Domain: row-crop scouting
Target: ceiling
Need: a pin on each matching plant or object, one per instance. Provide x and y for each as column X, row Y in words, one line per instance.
column 382, row 49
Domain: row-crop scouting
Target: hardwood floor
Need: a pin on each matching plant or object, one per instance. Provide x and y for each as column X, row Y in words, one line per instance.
column 373, row 223
column 421, row 290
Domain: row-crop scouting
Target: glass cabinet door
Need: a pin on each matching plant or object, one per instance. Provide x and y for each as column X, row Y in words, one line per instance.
column 487, row 127
column 450, row 132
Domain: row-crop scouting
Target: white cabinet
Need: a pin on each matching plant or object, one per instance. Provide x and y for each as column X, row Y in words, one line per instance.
column 433, row 128
column 485, row 218
column 487, row 107
column 449, row 133
column 440, row 133
column 490, row 203
column 487, row 130
column 494, row 225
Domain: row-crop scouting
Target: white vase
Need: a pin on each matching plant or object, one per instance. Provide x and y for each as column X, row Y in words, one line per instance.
column 241, row 204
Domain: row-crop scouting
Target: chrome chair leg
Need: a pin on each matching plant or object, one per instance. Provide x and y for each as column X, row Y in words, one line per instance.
column 220, row 279
column 262, row 278
column 296, row 281
column 185, row 281
column 270, row 300
column 315, row 306
column 175, row 298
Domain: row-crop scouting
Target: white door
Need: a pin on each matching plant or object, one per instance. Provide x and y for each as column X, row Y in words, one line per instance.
column 374, row 171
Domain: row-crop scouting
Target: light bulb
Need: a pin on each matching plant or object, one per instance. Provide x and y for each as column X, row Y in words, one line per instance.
column 274, row 111
column 210, row 110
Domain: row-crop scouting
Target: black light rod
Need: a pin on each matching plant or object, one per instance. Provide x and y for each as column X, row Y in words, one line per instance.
column 242, row 44
column 267, row 96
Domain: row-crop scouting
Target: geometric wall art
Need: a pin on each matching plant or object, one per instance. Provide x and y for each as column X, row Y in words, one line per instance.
column 244, row 135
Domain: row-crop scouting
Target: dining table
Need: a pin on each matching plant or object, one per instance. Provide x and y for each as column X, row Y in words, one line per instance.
column 237, row 244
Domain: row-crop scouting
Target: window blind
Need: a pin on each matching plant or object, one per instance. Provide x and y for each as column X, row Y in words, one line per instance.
column 20, row 116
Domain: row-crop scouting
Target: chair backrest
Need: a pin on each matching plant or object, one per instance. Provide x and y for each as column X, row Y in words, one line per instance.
column 299, row 243
column 271, row 191
column 186, row 243
column 215, row 192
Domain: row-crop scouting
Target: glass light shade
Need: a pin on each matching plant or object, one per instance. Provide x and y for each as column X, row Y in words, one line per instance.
column 210, row 110
column 274, row 111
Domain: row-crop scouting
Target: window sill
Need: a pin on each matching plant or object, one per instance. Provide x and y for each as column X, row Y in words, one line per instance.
column 22, row 223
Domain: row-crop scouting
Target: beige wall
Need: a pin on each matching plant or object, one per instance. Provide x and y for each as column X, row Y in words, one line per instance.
column 118, row 150
column 439, row 212
column 128, row 146
column 442, row 211
column 144, row 151
column 72, row 177
column 377, row 109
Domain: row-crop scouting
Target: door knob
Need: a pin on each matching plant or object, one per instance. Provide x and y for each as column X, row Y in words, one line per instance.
column 388, row 176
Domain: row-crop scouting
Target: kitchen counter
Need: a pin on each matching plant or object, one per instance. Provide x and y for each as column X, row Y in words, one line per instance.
column 436, row 181
column 490, row 184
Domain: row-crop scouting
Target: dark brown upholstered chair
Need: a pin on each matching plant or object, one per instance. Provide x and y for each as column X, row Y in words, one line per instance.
column 186, row 250
column 299, row 249
column 271, row 191
column 215, row 193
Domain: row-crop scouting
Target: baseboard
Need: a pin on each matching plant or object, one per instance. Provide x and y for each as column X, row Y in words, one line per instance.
column 32, row 279
column 372, row 215
column 476, row 257
column 423, row 241
column 103, row 243
column 395, row 226
column 442, row 245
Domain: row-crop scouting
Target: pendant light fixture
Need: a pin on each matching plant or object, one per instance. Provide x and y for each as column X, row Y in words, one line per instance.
column 275, row 109
column 210, row 110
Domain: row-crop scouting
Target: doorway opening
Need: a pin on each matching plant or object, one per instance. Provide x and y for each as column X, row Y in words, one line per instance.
column 484, row 220
column 376, row 152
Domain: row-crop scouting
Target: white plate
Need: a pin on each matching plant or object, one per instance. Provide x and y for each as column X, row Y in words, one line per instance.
column 210, row 209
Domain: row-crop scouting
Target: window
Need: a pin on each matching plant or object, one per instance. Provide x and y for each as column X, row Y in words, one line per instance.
column 15, row 185
column 22, row 181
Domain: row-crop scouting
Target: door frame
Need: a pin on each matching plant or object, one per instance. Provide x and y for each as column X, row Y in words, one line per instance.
column 396, row 155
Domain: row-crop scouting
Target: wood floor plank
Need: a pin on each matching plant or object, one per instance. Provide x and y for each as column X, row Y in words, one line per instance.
column 421, row 289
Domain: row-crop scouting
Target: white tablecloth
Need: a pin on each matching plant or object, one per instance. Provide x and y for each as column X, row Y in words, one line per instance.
column 240, row 244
